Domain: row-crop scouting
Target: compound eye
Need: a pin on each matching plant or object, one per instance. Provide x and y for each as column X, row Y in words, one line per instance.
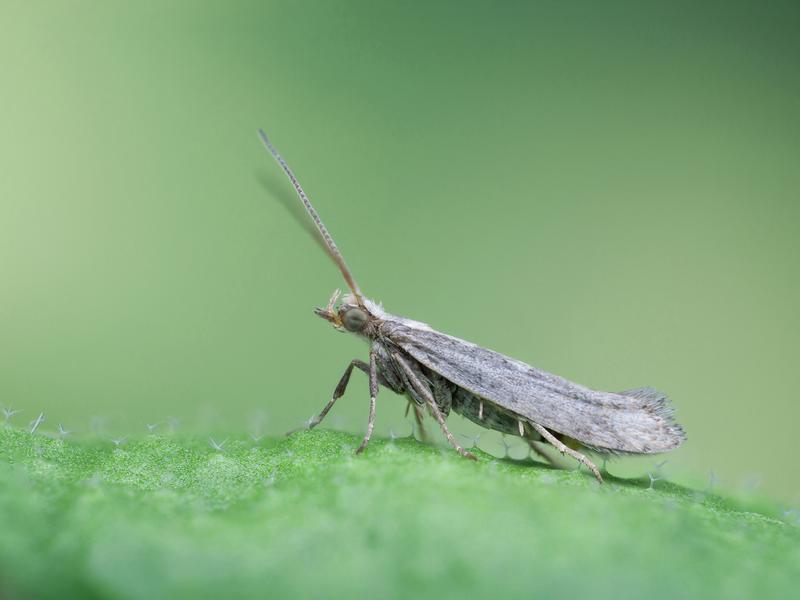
column 354, row 319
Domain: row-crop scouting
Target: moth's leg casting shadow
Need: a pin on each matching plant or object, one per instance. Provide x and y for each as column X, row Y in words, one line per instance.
column 559, row 445
column 426, row 393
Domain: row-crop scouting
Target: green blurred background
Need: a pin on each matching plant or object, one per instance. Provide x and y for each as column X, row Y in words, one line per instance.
column 609, row 192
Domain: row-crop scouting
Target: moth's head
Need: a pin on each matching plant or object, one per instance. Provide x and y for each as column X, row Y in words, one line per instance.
column 348, row 315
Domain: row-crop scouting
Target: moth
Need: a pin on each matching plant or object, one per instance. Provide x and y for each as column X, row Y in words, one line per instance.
column 439, row 373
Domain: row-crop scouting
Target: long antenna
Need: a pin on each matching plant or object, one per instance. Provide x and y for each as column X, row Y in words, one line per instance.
column 326, row 237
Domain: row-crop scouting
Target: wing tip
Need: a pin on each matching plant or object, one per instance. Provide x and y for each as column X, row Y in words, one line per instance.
column 656, row 402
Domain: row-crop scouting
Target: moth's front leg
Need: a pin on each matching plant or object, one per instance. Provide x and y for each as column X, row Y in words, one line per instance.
column 337, row 393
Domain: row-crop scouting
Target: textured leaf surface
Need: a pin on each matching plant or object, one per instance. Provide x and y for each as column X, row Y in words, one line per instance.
column 172, row 517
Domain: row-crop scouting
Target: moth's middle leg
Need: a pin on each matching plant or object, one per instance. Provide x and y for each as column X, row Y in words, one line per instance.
column 418, row 416
column 434, row 408
column 373, row 393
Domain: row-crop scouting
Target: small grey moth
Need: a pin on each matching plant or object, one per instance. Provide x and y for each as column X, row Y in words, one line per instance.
column 439, row 373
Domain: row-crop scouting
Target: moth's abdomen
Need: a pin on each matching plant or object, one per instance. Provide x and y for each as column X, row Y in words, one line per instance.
column 468, row 405
column 491, row 416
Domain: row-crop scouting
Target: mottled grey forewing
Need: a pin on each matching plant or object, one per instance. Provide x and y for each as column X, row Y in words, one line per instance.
column 636, row 421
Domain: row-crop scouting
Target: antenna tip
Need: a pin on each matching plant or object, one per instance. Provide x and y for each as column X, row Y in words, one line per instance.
column 268, row 144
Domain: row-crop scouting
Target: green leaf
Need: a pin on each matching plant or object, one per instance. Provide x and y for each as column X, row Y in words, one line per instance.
column 305, row 517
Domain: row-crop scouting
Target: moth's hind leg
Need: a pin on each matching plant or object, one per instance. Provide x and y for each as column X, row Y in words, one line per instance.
column 533, row 443
column 542, row 453
column 559, row 445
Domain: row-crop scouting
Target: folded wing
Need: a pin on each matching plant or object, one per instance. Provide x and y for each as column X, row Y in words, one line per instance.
column 637, row 421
